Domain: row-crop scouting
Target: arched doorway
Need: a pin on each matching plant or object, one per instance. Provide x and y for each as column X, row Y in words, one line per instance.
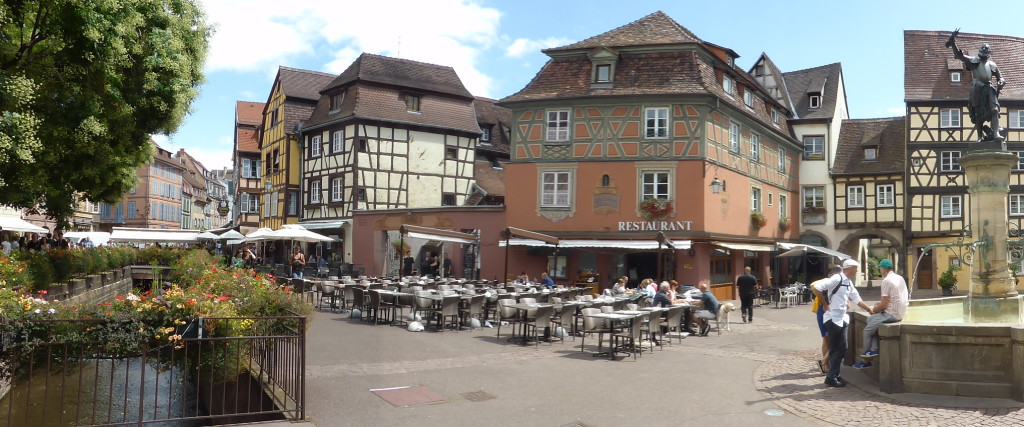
column 871, row 246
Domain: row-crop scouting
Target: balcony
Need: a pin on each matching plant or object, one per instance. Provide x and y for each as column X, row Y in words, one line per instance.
column 814, row 215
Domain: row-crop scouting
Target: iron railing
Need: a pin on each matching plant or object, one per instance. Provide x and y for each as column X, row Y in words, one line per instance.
column 200, row 379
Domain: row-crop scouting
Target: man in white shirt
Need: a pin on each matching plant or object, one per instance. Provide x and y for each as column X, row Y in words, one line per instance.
column 890, row 309
column 835, row 293
column 7, row 247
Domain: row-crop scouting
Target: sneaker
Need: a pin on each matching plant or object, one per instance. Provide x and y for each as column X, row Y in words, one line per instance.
column 744, row 318
column 870, row 354
column 861, row 365
column 834, row 382
column 704, row 330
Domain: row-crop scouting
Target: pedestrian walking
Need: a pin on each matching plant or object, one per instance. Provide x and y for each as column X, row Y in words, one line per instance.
column 746, row 284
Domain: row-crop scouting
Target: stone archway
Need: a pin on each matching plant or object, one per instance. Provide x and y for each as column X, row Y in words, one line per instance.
column 873, row 233
column 811, row 237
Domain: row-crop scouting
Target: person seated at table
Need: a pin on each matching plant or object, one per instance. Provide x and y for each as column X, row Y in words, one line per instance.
column 662, row 299
column 321, row 261
column 672, row 286
column 546, row 281
column 619, row 287
column 709, row 305
column 648, row 288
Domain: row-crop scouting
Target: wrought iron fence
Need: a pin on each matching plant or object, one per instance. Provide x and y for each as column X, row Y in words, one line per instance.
column 202, row 378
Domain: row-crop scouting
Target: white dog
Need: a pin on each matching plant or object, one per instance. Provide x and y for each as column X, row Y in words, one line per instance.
column 723, row 315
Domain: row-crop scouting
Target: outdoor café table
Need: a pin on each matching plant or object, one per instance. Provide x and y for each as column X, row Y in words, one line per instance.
column 618, row 316
column 524, row 310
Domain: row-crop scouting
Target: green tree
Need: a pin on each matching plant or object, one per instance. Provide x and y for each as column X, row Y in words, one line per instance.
column 82, row 86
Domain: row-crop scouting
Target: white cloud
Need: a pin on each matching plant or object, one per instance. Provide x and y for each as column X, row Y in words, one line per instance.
column 213, row 156
column 521, row 47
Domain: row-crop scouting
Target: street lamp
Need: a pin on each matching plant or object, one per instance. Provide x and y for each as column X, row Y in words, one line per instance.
column 717, row 186
column 268, row 185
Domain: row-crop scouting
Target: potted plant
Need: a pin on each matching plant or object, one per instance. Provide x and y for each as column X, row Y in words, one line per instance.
column 947, row 281
column 654, row 209
column 757, row 219
column 399, row 248
column 784, row 223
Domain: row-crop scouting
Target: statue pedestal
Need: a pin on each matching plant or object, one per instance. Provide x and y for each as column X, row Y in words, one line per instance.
column 988, row 179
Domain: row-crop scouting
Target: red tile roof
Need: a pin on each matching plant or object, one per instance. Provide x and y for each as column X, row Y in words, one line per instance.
column 247, row 140
column 887, row 135
column 248, row 113
column 926, row 73
column 489, row 179
column 654, row 29
column 402, row 73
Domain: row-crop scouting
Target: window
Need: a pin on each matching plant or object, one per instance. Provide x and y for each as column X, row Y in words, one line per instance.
column 783, row 208
column 870, row 154
column 770, row 199
column 734, row 137
column 1017, row 204
column 814, row 197
column 273, row 118
column 412, row 103
column 603, row 73
column 654, row 185
column 336, row 189
column 814, row 147
column 336, row 101
column 557, row 266
column 338, row 142
column 855, row 196
column 254, row 203
column 727, row 85
column 293, row 203
column 951, row 207
column 886, row 195
column 314, row 146
column 554, row 190
column 314, row 192
column 447, row 199
column 948, row 161
column 755, row 199
column 558, row 125
column 775, row 116
column 451, row 153
column 954, row 76
column 1017, row 119
column 949, row 117
column 131, row 210
column 361, row 195
column 814, row 101
column 748, row 98
column 273, row 204
column 364, row 146
column 605, row 181
column 782, row 159
column 1020, row 160
column 656, row 123
column 755, row 147
column 243, row 202
column 485, row 134
column 277, row 160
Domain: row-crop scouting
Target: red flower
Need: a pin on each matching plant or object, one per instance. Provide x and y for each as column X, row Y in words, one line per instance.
column 120, row 297
column 223, row 298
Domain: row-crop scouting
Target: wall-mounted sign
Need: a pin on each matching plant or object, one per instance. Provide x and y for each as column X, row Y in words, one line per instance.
column 655, row 225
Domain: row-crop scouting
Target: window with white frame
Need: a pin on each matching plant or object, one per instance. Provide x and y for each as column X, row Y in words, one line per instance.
column 338, row 141
column 314, row 146
column 814, row 197
column 336, row 189
column 1020, row 160
column 314, row 191
column 782, row 159
column 728, row 85
column 870, row 154
column 954, row 76
column 755, row 147
column 1017, row 119
column 814, row 147
column 855, row 196
column 775, row 115
column 485, row 134
column 885, row 195
column 293, row 203
column 1017, row 204
column 734, row 137
column 951, row 206
column 558, row 125
column 814, row 101
column 603, row 73
column 783, row 208
column 250, row 168
column 656, row 122
column 748, row 98
column 949, row 161
column 755, row 199
column 554, row 191
column 243, row 202
column 771, row 198
column 654, row 185
column 949, row 117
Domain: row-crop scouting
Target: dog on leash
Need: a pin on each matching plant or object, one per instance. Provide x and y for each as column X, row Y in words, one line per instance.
column 723, row 315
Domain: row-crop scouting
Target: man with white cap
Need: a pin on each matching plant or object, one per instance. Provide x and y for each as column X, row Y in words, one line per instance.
column 835, row 293
column 890, row 309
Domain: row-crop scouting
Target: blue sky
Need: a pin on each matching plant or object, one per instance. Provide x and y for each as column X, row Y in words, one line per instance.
column 495, row 45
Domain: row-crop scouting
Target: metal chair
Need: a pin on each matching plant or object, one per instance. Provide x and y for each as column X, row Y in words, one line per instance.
column 593, row 325
column 475, row 308
column 541, row 319
column 449, row 310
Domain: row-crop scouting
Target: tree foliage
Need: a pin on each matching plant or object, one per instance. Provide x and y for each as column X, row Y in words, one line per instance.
column 82, row 86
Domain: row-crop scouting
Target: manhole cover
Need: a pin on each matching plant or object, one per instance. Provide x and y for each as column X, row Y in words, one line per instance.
column 774, row 412
column 478, row 396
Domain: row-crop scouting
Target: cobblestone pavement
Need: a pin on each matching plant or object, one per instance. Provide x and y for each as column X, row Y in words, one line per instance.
column 793, row 383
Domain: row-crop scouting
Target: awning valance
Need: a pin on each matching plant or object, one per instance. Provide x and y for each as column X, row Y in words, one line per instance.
column 745, row 246
column 20, row 225
column 510, row 232
column 152, row 235
column 796, row 249
column 437, row 234
column 596, row 243
column 320, row 225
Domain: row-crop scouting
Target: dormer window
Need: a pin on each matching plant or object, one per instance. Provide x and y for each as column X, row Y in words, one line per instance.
column 602, row 71
column 814, row 101
column 603, row 74
column 412, row 103
column 954, row 76
column 748, row 98
column 870, row 154
column 485, row 133
column 728, row 85
column 336, row 101
column 775, row 116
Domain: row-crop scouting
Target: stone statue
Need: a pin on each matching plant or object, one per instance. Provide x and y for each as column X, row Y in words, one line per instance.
column 983, row 105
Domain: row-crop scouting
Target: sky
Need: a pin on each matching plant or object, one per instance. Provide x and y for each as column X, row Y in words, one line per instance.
column 495, row 46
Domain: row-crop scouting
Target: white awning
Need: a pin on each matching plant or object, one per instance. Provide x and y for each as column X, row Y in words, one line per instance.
column 439, row 237
column 98, row 238
column 597, row 243
column 319, row 225
column 152, row 235
column 754, row 247
column 795, row 248
column 20, row 225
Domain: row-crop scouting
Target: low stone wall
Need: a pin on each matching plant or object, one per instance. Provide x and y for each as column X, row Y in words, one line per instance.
column 94, row 289
column 980, row 360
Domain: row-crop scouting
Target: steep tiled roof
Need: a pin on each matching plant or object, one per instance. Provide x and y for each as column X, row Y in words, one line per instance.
column 824, row 79
column 403, row 73
column 654, row 29
column 302, row 84
column 927, row 65
column 248, row 113
column 248, row 140
column 499, row 120
column 489, row 179
column 888, row 135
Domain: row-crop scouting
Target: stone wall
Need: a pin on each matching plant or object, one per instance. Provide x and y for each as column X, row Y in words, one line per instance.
column 94, row 289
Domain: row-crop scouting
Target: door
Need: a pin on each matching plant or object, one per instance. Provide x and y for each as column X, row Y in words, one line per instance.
column 925, row 272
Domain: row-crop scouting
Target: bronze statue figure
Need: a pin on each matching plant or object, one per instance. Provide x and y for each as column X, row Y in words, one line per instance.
column 983, row 105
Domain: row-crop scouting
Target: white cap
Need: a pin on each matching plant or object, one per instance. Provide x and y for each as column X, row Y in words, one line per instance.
column 850, row 263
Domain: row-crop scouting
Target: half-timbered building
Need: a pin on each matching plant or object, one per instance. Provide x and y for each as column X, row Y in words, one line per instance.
column 248, row 165
column 636, row 131
column 387, row 133
column 292, row 97
column 939, row 131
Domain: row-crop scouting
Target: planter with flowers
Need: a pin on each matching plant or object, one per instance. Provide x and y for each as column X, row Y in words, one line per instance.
column 757, row 219
column 655, row 209
column 784, row 224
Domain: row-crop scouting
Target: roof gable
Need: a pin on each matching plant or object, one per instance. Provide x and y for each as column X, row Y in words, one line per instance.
column 927, row 64
column 302, row 84
column 403, row 73
column 887, row 135
column 654, row 29
column 822, row 80
column 772, row 80
column 248, row 113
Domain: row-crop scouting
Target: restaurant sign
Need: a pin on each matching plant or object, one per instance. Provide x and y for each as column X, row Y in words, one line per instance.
column 655, row 225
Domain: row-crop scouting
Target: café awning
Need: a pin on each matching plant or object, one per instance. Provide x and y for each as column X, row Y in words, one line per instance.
column 320, row 225
column 595, row 243
column 437, row 234
column 799, row 249
column 152, row 235
column 20, row 225
column 753, row 247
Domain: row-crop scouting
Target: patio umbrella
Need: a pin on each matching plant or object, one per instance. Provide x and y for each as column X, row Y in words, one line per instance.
column 258, row 235
column 206, row 235
column 232, row 235
column 296, row 233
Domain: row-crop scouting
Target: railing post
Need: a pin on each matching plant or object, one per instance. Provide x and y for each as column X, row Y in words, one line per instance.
column 142, row 384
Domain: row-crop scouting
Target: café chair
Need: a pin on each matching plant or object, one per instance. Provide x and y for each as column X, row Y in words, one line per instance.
column 474, row 309
column 673, row 324
column 593, row 325
column 506, row 314
column 449, row 310
column 402, row 301
column 566, row 319
column 329, row 293
column 541, row 320
column 652, row 327
column 631, row 335
column 358, row 300
column 425, row 306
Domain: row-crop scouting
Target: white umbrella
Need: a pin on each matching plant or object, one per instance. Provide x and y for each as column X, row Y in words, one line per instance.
column 298, row 233
column 258, row 235
column 232, row 235
column 206, row 235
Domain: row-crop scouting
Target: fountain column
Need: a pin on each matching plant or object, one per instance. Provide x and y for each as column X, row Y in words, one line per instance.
column 992, row 286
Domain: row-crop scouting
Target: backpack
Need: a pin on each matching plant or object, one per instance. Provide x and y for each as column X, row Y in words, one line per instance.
column 828, row 297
